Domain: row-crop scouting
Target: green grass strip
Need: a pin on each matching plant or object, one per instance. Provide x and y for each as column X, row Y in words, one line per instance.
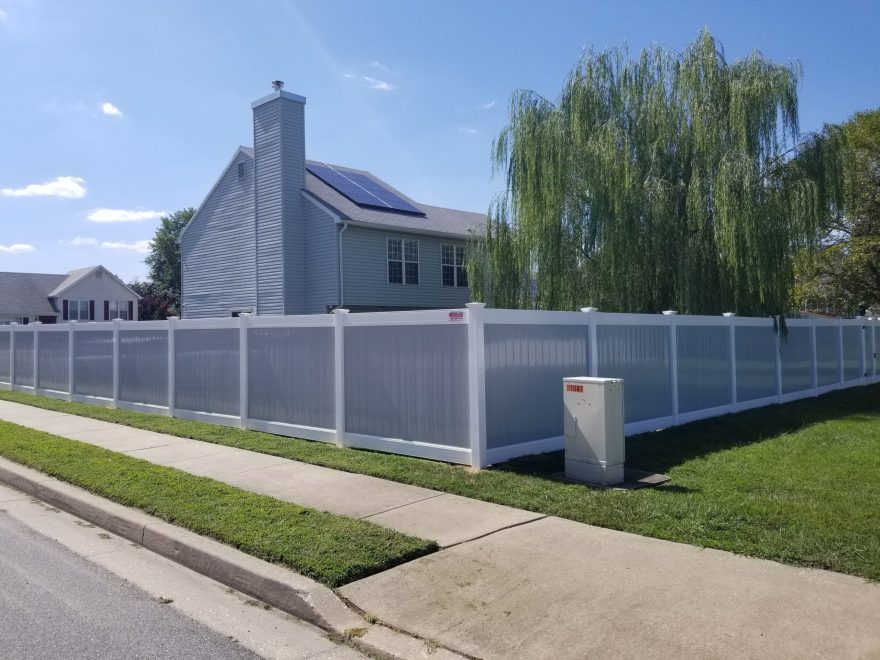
column 327, row 547
column 796, row 483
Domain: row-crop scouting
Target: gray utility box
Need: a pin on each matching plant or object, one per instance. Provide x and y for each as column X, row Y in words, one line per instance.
column 594, row 440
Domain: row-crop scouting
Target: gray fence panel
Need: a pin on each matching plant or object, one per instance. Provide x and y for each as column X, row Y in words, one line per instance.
column 525, row 365
column 408, row 382
column 703, row 367
column 853, row 336
column 827, row 355
column 52, row 360
column 755, row 362
column 4, row 356
column 796, row 350
column 640, row 355
column 206, row 373
column 93, row 363
column 290, row 376
column 143, row 366
column 24, row 358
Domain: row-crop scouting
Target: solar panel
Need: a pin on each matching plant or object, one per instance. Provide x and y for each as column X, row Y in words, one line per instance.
column 362, row 190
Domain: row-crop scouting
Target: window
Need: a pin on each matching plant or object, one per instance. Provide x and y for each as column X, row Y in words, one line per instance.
column 452, row 267
column 403, row 261
column 119, row 310
column 78, row 310
column 241, row 170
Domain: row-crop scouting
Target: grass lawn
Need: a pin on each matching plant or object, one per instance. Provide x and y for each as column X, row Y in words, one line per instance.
column 797, row 483
column 326, row 547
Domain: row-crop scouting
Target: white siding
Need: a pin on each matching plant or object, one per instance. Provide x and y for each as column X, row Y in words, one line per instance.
column 218, row 248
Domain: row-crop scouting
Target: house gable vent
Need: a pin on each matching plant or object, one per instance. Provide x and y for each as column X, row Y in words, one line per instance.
column 241, row 170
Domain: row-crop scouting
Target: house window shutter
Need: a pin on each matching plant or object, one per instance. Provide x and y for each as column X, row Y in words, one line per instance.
column 91, row 310
column 65, row 311
column 131, row 311
column 106, row 310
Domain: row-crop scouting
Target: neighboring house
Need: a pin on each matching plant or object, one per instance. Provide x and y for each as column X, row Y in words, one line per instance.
column 279, row 234
column 86, row 294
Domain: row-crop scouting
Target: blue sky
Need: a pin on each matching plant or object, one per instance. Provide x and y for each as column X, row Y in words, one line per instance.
column 114, row 111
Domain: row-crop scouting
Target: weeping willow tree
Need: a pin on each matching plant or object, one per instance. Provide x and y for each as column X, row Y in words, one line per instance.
column 674, row 181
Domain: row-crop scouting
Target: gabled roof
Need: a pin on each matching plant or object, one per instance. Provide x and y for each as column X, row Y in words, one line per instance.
column 76, row 276
column 28, row 293
column 436, row 219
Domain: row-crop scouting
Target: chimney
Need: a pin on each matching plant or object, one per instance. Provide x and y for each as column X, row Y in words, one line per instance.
column 279, row 176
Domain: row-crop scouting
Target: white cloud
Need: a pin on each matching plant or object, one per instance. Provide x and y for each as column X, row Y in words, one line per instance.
column 17, row 248
column 109, row 109
column 375, row 83
column 488, row 105
column 468, row 130
column 2, row 15
column 136, row 246
column 81, row 241
column 70, row 187
column 380, row 66
column 123, row 215
column 381, row 85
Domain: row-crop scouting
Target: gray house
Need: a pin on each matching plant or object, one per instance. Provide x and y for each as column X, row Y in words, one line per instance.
column 279, row 234
column 85, row 294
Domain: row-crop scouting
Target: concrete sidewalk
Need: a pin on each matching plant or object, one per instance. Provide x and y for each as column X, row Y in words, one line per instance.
column 513, row 584
column 429, row 514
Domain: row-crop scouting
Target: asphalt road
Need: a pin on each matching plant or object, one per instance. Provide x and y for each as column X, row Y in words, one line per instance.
column 54, row 604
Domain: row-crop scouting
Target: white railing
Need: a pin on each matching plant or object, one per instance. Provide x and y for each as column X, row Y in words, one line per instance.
column 475, row 386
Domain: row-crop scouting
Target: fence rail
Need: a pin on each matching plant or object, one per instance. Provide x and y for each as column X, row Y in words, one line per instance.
column 475, row 386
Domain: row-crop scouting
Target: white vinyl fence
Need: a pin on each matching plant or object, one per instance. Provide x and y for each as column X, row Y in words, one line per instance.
column 475, row 386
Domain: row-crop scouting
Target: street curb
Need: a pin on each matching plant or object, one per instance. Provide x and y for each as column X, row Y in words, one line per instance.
column 279, row 587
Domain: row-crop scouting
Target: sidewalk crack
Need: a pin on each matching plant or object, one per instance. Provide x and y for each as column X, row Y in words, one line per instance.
column 400, row 506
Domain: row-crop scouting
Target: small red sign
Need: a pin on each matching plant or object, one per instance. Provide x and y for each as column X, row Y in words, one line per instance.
column 571, row 387
column 456, row 316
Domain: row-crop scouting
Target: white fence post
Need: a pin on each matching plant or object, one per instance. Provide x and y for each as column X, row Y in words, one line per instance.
column 70, row 327
column 36, row 356
column 172, row 325
column 12, row 355
column 477, row 383
column 116, row 363
column 840, row 351
column 673, row 361
column 243, row 325
column 340, row 316
column 593, row 348
column 815, row 357
column 778, row 334
column 864, row 327
column 731, row 317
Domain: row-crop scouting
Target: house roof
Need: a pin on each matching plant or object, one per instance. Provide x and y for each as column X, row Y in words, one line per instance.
column 436, row 219
column 31, row 293
column 28, row 293
column 75, row 276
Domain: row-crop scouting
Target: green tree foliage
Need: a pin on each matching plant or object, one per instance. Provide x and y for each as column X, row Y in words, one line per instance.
column 155, row 304
column 163, row 261
column 675, row 180
column 844, row 276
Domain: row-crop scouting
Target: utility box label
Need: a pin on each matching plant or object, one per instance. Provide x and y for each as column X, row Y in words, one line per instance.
column 571, row 387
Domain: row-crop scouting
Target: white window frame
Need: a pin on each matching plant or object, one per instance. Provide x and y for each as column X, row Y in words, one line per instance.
column 455, row 265
column 403, row 261
column 118, row 309
column 79, row 305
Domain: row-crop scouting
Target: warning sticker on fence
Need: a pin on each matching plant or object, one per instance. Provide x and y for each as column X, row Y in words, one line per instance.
column 456, row 316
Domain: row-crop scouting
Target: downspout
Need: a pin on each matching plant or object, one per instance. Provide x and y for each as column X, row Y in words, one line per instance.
column 341, row 283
